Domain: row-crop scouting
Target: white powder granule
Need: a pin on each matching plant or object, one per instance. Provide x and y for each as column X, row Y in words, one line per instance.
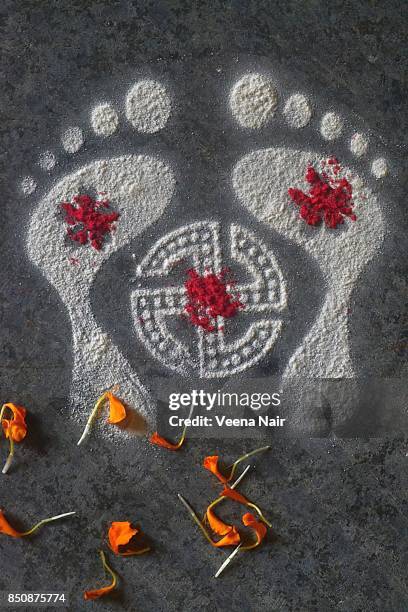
column 148, row 106
column 254, row 100
column 104, row 120
column 28, row 185
column 297, row 111
column 359, row 144
column 72, row 139
column 47, row 160
column 331, row 126
column 379, row 168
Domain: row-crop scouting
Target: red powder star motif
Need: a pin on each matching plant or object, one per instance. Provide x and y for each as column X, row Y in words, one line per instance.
column 209, row 297
column 330, row 198
column 90, row 220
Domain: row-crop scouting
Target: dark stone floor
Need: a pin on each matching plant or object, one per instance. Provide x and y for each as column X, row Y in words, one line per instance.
column 339, row 507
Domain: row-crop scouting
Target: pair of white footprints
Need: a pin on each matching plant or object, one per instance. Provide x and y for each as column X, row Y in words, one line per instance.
column 141, row 188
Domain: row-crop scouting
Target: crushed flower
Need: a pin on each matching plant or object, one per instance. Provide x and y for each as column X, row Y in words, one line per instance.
column 230, row 539
column 101, row 592
column 209, row 297
column 117, row 412
column 260, row 532
column 157, row 439
column 120, row 535
column 14, row 428
column 330, row 196
column 7, row 529
column 249, row 520
column 235, row 495
column 211, row 464
column 89, row 220
column 217, row 525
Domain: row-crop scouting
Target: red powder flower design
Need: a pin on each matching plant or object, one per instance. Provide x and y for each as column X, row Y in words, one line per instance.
column 330, row 196
column 89, row 220
column 209, row 297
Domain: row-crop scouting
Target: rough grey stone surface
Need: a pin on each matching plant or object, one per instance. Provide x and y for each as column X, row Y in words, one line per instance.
column 338, row 507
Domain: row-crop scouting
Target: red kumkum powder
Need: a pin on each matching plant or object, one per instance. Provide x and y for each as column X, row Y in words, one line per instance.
column 209, row 298
column 330, row 198
column 90, row 220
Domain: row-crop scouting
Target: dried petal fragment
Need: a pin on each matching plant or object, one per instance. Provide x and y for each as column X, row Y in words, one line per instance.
column 120, row 534
column 231, row 539
column 211, row 463
column 117, row 411
column 7, row 529
column 96, row 593
column 238, row 497
column 217, row 525
column 249, row 520
column 156, row 438
column 14, row 428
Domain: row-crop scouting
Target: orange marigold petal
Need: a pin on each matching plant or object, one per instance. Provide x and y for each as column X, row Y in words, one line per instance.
column 96, row 593
column 249, row 520
column 120, row 533
column 155, row 438
column 217, row 525
column 211, row 463
column 19, row 412
column 6, row 528
column 232, row 494
column 231, row 539
column 15, row 427
column 117, row 410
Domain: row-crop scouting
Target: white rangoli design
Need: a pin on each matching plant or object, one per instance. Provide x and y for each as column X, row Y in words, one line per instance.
column 213, row 356
column 140, row 188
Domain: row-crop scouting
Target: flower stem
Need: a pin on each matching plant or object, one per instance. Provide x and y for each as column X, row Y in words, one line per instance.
column 250, row 454
column 108, row 569
column 235, row 484
column 10, row 455
column 195, row 517
column 183, row 435
column 228, row 560
column 261, row 516
column 44, row 521
column 91, row 418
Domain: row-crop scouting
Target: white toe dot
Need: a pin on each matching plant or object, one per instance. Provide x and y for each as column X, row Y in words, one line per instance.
column 148, row 106
column 47, row 160
column 28, row 185
column 379, row 168
column 358, row 144
column 72, row 139
column 254, row 100
column 104, row 120
column 331, row 126
column 297, row 111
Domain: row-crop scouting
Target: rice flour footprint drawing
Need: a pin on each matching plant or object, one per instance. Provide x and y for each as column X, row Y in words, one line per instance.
column 261, row 180
column 69, row 253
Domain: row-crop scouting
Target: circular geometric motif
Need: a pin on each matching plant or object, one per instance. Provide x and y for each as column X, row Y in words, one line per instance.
column 211, row 355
